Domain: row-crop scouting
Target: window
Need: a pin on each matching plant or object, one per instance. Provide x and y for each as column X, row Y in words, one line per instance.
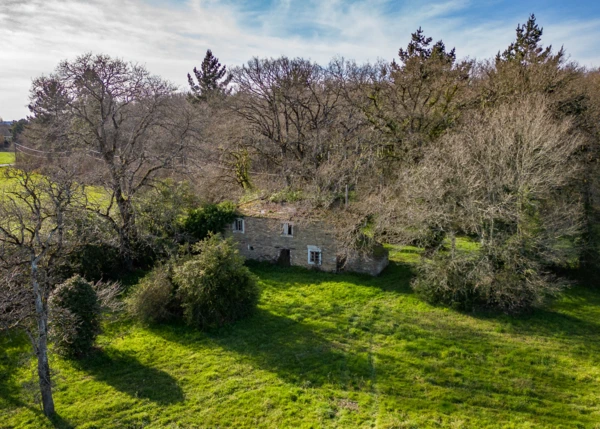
column 238, row 225
column 314, row 255
column 288, row 229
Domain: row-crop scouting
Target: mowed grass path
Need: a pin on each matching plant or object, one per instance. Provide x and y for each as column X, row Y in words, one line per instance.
column 327, row 350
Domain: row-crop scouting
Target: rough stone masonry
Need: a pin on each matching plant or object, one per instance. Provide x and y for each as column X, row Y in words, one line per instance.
column 309, row 244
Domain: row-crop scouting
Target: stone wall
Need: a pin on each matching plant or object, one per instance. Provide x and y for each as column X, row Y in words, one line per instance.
column 372, row 264
column 263, row 240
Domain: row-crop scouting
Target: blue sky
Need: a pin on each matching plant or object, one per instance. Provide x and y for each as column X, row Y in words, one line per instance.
column 171, row 36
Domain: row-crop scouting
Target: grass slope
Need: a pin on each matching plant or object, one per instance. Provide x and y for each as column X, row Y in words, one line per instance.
column 329, row 350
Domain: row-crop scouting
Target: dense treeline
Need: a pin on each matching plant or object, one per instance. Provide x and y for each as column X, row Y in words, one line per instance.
column 118, row 170
column 504, row 151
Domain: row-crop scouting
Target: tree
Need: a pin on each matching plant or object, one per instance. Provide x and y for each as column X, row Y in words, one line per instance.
column 414, row 101
column 527, row 46
column 526, row 67
column 289, row 106
column 506, row 177
column 17, row 129
column 33, row 244
column 123, row 119
column 590, row 185
column 214, row 287
column 75, row 312
column 212, row 79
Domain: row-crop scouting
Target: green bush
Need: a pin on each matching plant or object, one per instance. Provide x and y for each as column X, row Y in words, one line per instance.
column 153, row 300
column 75, row 314
column 501, row 280
column 211, row 218
column 215, row 287
column 159, row 214
column 97, row 262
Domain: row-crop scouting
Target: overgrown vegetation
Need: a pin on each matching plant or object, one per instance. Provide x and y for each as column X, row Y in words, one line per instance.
column 206, row 289
column 120, row 174
column 210, row 218
column 154, row 300
column 75, row 314
column 214, row 287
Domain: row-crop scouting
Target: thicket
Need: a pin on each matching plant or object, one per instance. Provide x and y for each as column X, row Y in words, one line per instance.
column 154, row 299
column 208, row 289
column 210, row 218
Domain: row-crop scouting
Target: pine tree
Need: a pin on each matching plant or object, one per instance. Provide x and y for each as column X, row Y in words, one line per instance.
column 212, row 79
column 418, row 47
column 527, row 48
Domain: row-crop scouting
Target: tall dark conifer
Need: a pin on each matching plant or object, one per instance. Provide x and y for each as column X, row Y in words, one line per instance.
column 212, row 79
column 527, row 47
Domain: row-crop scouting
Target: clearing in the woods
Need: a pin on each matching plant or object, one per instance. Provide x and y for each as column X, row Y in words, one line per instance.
column 327, row 350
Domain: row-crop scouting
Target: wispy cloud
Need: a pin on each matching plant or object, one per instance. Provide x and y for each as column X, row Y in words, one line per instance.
column 171, row 37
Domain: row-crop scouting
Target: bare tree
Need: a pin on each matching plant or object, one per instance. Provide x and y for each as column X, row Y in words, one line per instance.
column 129, row 121
column 33, row 245
column 507, row 177
column 290, row 106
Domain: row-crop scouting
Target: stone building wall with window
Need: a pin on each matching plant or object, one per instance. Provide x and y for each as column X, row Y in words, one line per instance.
column 309, row 244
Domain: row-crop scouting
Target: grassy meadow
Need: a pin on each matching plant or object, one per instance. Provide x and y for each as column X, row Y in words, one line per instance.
column 7, row 157
column 327, row 350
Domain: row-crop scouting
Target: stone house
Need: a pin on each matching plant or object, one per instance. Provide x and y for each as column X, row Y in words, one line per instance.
column 275, row 233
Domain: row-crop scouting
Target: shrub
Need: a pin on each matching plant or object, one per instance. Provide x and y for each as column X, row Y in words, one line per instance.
column 153, row 300
column 75, row 313
column 96, row 262
column 159, row 212
column 211, row 218
column 215, row 287
column 501, row 280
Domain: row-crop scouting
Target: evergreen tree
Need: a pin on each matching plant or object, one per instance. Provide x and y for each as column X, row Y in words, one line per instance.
column 212, row 79
column 527, row 67
column 527, row 47
column 416, row 99
column 418, row 47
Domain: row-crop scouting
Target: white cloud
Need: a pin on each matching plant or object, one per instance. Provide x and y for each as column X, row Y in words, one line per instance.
column 171, row 39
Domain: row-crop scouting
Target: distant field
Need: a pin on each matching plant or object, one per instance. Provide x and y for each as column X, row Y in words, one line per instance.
column 326, row 350
column 7, row 157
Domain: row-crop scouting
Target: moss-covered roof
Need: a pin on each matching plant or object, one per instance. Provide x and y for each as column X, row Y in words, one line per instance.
column 285, row 211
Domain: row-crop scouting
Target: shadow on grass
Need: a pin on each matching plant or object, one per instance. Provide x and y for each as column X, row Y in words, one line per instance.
column 562, row 318
column 395, row 278
column 454, row 368
column 126, row 374
column 292, row 350
column 547, row 323
column 61, row 423
column 11, row 358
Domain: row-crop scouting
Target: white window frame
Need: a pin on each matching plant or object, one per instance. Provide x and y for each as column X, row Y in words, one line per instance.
column 288, row 229
column 237, row 223
column 317, row 251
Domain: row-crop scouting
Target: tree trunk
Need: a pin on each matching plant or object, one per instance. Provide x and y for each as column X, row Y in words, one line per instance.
column 127, row 231
column 41, row 343
column 589, row 258
column 44, row 376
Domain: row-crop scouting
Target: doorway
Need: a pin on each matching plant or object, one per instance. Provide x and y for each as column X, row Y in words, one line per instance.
column 284, row 258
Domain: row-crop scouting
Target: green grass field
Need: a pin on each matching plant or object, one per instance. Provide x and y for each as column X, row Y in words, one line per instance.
column 7, row 157
column 328, row 350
